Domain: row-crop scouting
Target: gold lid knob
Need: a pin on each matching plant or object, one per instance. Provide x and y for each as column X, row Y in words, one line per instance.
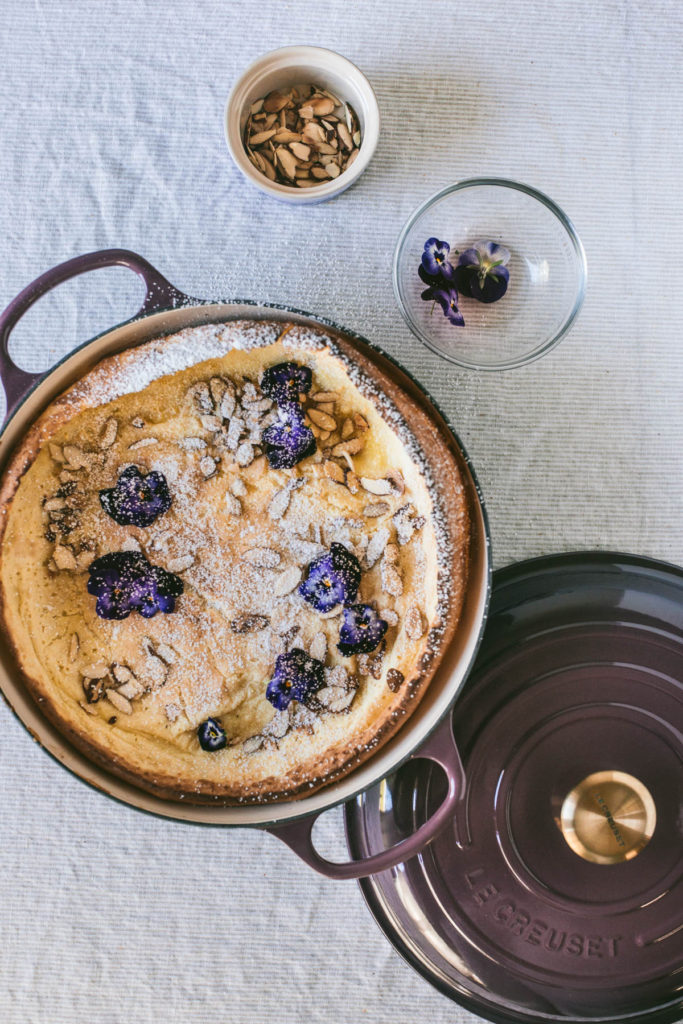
column 608, row 818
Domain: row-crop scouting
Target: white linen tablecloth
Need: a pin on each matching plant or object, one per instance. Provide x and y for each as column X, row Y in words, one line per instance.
column 111, row 135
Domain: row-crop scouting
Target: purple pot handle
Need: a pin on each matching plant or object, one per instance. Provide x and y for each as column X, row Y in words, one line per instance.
column 439, row 747
column 160, row 295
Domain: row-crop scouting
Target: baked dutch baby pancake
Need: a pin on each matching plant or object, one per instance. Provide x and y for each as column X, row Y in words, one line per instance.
column 227, row 569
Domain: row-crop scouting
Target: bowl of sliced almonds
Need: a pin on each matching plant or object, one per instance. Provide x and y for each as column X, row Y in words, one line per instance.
column 302, row 124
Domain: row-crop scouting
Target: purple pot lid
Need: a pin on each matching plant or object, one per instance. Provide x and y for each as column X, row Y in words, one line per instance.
column 557, row 894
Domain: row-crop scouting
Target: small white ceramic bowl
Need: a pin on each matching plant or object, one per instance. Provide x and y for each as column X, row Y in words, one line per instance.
column 281, row 69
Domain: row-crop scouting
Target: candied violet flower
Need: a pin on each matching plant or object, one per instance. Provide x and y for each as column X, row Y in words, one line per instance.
column 296, row 677
column 124, row 581
column 481, row 272
column 361, row 630
column 435, row 260
column 288, row 440
column 285, row 381
column 332, row 579
column 211, row 735
column 137, row 499
column 448, row 300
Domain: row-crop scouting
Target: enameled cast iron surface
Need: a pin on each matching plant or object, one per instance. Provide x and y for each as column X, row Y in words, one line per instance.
column 166, row 311
column 580, row 670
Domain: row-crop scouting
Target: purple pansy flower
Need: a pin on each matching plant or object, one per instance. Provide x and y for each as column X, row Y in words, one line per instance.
column 361, row 630
column 288, row 440
column 296, row 677
column 435, row 259
column 482, row 273
column 211, row 735
column 285, row 381
column 448, row 300
column 124, row 581
column 137, row 499
column 332, row 579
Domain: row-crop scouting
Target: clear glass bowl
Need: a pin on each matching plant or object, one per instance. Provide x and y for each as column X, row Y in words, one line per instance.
column 547, row 273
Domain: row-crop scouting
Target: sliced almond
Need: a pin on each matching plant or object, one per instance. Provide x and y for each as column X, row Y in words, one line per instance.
column 244, row 456
column 144, row 442
column 249, row 623
column 131, row 544
column 279, row 503
column 351, row 447
column 193, row 444
column 64, row 557
column 76, row 457
column 334, row 471
column 344, row 136
column 391, row 554
column 378, row 508
column 278, row 726
column 131, row 690
column 413, row 623
column 395, row 680
column 201, row 396
column 360, row 422
column 173, row 712
column 54, row 504
column 275, row 101
column 287, row 161
column 375, row 486
column 352, row 482
column 376, row 546
column 262, row 558
column 332, row 169
column 389, row 616
column 166, row 653
column 74, row 647
column 121, row 673
column 318, row 647
column 217, row 388
column 238, row 487
column 259, row 137
column 322, row 419
column 87, row 707
column 56, row 452
column 347, row 429
column 97, row 671
column 320, row 173
column 300, row 150
column 396, row 481
column 211, row 422
column 207, row 466
column 287, row 581
column 233, row 505
column 391, row 580
column 120, row 702
column 228, row 403
column 285, row 136
column 335, row 699
column 180, row 564
column 84, row 559
column 252, row 744
column 109, row 432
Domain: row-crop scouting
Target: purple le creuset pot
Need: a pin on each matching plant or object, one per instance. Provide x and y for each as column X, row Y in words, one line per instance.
column 556, row 891
column 428, row 732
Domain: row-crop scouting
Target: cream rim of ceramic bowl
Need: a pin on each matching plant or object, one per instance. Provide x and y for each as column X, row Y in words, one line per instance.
column 289, row 66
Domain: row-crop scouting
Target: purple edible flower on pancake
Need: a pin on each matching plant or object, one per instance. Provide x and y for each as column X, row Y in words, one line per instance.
column 124, row 581
column 288, row 440
column 137, row 499
column 296, row 677
column 482, row 273
column 435, row 260
column 284, row 382
column 211, row 735
column 332, row 579
column 361, row 631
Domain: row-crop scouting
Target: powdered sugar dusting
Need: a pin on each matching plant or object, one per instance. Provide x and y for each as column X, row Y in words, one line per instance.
column 170, row 354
